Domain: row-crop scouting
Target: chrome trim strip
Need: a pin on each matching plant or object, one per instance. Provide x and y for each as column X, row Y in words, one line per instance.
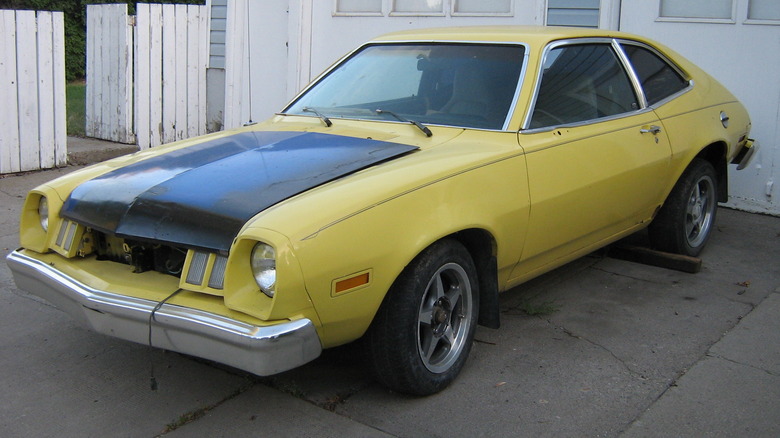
column 588, row 122
column 751, row 147
column 621, row 42
column 537, row 130
column 550, row 46
column 639, row 92
column 520, row 81
column 680, row 71
column 261, row 350
column 617, row 46
column 671, row 97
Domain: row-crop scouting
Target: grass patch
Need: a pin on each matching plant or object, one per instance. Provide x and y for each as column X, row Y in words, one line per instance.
column 75, row 107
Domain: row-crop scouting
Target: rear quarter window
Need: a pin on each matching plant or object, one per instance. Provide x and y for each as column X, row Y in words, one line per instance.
column 658, row 77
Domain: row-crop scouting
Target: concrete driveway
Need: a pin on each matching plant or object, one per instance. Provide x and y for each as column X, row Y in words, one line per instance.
column 630, row 350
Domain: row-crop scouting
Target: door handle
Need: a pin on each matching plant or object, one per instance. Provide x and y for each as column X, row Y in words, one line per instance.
column 653, row 129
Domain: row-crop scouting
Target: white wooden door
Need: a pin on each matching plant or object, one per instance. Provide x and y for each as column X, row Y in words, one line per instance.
column 109, row 103
column 737, row 41
column 258, row 37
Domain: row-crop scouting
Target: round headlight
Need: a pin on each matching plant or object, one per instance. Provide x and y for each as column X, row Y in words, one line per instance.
column 43, row 213
column 264, row 267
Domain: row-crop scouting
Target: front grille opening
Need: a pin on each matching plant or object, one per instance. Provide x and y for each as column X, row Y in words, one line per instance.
column 142, row 256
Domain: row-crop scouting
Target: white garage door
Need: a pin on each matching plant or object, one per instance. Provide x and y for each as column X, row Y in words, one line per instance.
column 738, row 42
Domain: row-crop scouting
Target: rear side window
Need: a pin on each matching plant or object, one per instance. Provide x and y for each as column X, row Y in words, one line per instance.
column 582, row 82
column 658, row 78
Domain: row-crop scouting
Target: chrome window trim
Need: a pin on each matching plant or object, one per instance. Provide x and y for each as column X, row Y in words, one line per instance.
column 622, row 41
column 671, row 97
column 545, row 53
column 632, row 75
column 587, row 122
column 617, row 46
column 510, row 113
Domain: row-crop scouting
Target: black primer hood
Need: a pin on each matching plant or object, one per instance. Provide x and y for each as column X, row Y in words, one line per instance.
column 201, row 196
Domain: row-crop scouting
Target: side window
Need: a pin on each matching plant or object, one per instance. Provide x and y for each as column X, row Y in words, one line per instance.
column 582, row 82
column 659, row 79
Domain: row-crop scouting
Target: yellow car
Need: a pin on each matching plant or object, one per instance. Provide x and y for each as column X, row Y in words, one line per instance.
column 391, row 201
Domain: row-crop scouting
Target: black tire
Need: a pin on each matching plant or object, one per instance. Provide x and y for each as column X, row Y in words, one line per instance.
column 423, row 331
column 685, row 222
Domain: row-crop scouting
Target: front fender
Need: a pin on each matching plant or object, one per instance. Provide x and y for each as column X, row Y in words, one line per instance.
column 383, row 239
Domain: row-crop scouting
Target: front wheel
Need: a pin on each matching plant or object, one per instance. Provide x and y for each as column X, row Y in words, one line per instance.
column 684, row 223
column 422, row 333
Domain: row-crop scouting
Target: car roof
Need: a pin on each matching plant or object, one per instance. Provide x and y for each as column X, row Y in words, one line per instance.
column 533, row 35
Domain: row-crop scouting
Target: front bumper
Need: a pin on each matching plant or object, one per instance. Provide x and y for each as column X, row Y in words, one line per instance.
column 262, row 350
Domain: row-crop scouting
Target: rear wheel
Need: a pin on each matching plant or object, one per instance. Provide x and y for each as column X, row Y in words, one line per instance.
column 685, row 221
column 422, row 333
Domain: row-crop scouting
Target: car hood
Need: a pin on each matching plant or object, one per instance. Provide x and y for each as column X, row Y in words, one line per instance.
column 201, row 196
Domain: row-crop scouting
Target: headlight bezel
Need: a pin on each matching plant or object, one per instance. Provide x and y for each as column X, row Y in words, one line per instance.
column 262, row 261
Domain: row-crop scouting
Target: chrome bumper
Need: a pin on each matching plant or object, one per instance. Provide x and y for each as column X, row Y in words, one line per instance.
column 745, row 154
column 259, row 350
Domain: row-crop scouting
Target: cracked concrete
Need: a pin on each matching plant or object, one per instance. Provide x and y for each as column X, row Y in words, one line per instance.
column 596, row 344
column 632, row 351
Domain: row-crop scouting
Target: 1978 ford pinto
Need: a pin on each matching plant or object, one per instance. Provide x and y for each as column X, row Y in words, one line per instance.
column 391, row 200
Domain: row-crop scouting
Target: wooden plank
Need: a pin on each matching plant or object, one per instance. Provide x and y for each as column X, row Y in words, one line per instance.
column 90, row 128
column 124, row 76
column 192, row 71
column 103, row 104
column 181, row 71
column 110, row 116
column 652, row 257
column 234, row 63
column 9, row 123
column 27, row 72
column 141, row 56
column 155, row 73
column 58, row 70
column 203, row 62
column 169, row 31
column 45, row 77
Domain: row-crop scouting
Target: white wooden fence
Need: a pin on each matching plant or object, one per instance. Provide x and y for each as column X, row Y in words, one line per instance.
column 166, row 81
column 32, row 91
column 109, row 103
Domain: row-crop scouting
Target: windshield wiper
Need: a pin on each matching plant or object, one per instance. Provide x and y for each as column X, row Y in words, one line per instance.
column 322, row 117
column 422, row 127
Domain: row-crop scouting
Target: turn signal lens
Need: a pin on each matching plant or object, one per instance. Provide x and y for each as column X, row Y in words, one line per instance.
column 43, row 213
column 264, row 267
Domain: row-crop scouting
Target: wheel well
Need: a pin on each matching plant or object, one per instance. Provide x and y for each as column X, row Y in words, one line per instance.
column 716, row 155
column 482, row 247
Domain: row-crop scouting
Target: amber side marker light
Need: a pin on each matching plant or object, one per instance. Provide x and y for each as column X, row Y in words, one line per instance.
column 352, row 282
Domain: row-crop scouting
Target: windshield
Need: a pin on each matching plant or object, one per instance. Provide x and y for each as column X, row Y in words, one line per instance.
column 464, row 85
